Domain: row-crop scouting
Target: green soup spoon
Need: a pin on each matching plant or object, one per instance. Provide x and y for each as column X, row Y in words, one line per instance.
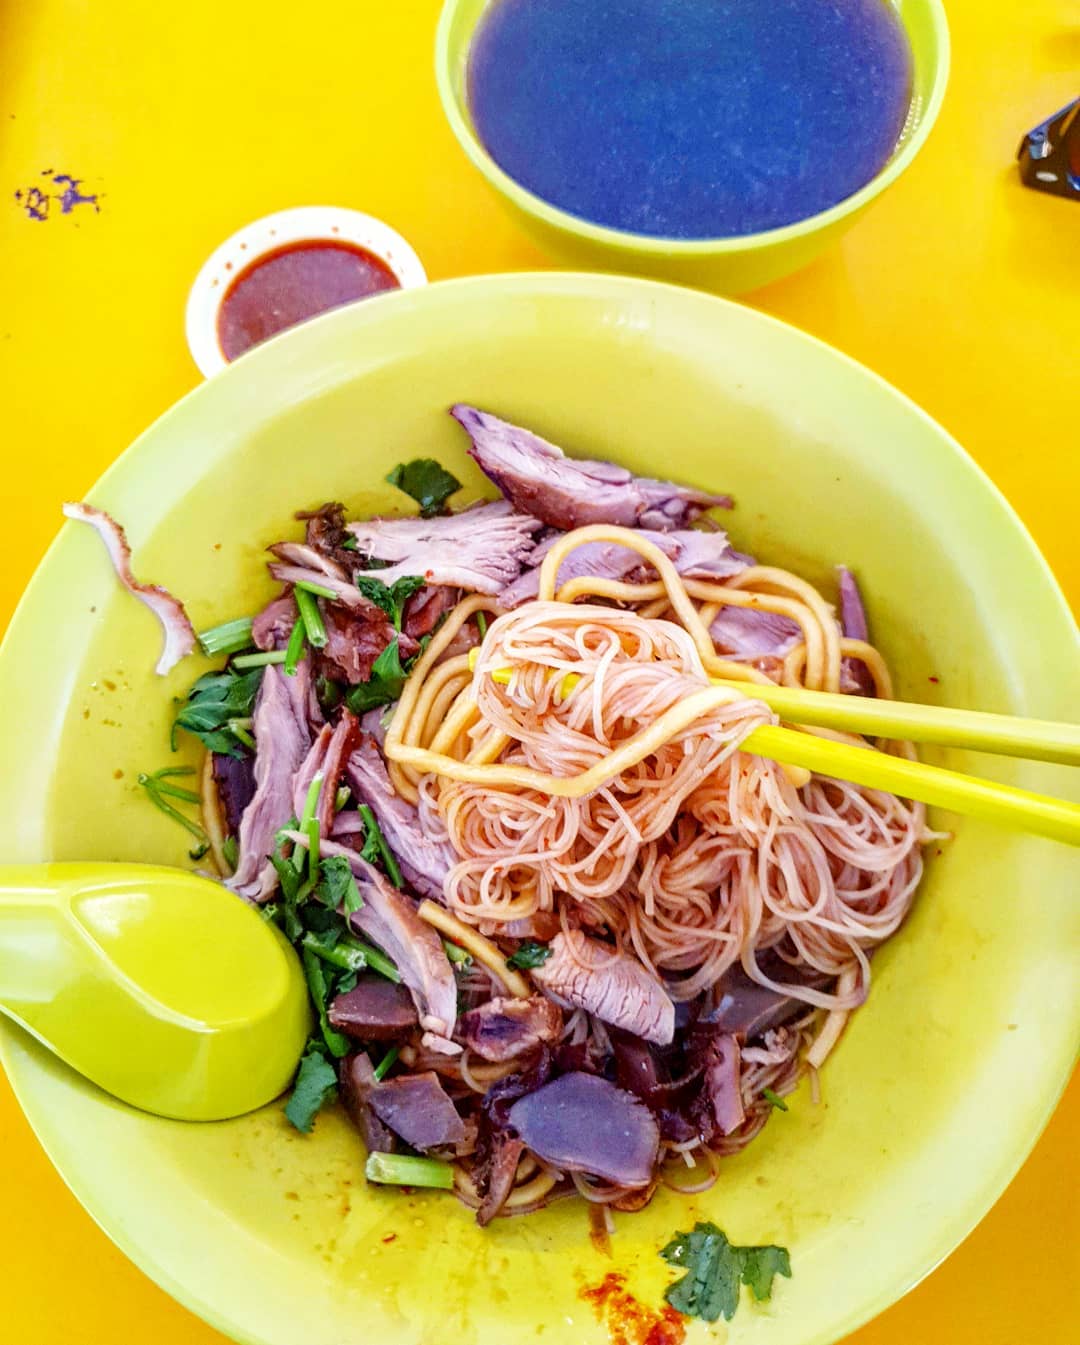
column 161, row 987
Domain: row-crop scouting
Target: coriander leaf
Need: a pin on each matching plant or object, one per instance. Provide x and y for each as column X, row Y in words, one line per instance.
column 337, row 886
column 429, row 483
column 710, row 1287
column 390, row 597
column 315, row 1085
column 761, row 1265
column 529, row 954
column 318, row 919
column 715, row 1269
column 212, row 702
column 384, row 685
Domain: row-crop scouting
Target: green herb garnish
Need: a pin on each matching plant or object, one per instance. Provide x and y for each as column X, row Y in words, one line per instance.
column 774, row 1099
column 346, row 953
column 159, row 790
column 309, row 825
column 404, row 1170
column 214, row 701
column 289, row 881
column 320, row 590
column 311, row 618
column 294, row 650
column 315, row 1085
column 458, row 956
column 382, row 1069
column 230, row 848
column 337, row 886
column 428, row 482
column 390, row 597
column 384, row 685
column 320, row 991
column 715, row 1268
column 260, row 660
column 329, row 694
column 375, row 846
column 228, row 638
column 481, row 625
column 528, row 955
column 241, row 731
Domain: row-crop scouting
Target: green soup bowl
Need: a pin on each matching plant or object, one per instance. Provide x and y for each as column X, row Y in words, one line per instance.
column 728, row 265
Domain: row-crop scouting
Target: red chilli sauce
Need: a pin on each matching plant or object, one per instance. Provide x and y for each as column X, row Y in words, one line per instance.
column 293, row 283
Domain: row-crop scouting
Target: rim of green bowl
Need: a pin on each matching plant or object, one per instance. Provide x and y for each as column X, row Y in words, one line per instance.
column 563, row 220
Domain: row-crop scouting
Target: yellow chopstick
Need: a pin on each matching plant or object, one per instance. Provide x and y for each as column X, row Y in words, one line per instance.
column 1009, row 735
column 1006, row 805
column 968, row 794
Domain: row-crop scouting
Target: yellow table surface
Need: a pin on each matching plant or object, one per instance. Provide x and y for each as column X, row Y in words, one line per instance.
column 189, row 120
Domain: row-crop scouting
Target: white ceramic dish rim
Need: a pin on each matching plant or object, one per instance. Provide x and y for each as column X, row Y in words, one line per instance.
column 333, row 224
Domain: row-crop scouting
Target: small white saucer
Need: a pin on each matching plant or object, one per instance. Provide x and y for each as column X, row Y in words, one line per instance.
column 302, row 224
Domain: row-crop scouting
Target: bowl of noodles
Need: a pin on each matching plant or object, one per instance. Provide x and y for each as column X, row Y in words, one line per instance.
column 624, row 1024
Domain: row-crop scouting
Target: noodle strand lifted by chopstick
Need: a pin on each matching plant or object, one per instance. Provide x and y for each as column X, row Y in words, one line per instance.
column 599, row 777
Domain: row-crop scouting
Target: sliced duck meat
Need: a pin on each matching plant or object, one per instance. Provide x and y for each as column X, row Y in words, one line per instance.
column 855, row 678
column 417, row 1108
column 325, row 533
column 541, row 926
column 723, row 1087
column 309, row 768
column 751, row 632
column 598, row 560
column 424, row 862
column 426, row 609
column 696, row 555
column 707, row 555
column 309, row 558
column 539, row 479
column 495, row 1177
column 613, row 986
column 273, row 626
column 639, row 1068
column 388, row 917
column 356, row 1080
column 747, row 1010
column 501, row 1096
column 852, row 612
column 179, row 632
column 583, row 1123
column 354, row 640
column 374, row 723
column 327, row 755
column 481, row 549
column 501, row 1029
column 234, row 779
column 375, row 1009
column 467, row 637
column 345, row 591
column 282, row 741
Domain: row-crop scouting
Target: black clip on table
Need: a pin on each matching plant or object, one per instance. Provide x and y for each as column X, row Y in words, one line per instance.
column 1050, row 154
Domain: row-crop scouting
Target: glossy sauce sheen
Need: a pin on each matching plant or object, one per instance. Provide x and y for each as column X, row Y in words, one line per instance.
column 293, row 283
column 690, row 118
